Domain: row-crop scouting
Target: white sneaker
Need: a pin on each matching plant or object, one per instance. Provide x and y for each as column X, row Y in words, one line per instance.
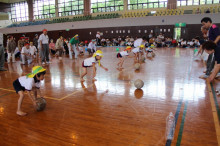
column 43, row 63
column 48, row 62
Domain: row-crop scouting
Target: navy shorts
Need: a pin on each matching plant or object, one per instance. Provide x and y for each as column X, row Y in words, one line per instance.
column 119, row 55
column 17, row 86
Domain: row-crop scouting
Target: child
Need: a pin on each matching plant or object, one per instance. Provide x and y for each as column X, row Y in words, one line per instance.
column 121, row 56
column 138, row 51
column 81, row 49
column 25, row 54
column 30, row 82
column 90, row 62
column 92, row 47
column 33, row 50
column 149, row 51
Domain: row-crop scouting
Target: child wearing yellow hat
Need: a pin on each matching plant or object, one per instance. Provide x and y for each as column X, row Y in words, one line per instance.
column 138, row 52
column 90, row 62
column 30, row 82
column 121, row 56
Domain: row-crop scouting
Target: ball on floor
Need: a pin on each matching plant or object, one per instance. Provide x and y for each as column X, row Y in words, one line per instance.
column 137, row 66
column 40, row 104
column 138, row 84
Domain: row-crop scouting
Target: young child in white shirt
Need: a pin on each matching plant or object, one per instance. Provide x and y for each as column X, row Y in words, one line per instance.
column 25, row 54
column 81, row 49
column 121, row 56
column 30, row 82
column 92, row 47
column 91, row 62
column 138, row 52
column 33, row 50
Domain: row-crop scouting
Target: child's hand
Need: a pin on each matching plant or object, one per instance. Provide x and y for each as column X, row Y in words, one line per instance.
column 106, row 69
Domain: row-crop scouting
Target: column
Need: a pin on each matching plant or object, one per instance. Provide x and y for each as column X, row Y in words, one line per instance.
column 30, row 10
column 56, row 8
column 171, row 4
column 125, row 5
column 87, row 7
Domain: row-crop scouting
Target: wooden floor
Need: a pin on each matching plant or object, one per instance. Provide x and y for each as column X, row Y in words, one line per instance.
column 111, row 112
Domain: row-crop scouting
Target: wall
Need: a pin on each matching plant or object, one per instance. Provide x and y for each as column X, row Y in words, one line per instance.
column 83, row 28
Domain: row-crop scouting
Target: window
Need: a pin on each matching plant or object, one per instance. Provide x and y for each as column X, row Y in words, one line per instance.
column 145, row 4
column 19, row 11
column 196, row 2
column 44, row 9
column 70, row 7
column 106, row 5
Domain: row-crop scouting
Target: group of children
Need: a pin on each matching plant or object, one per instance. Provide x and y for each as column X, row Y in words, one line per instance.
column 138, row 51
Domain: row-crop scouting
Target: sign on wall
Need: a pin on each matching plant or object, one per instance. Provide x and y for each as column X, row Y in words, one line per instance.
column 180, row 25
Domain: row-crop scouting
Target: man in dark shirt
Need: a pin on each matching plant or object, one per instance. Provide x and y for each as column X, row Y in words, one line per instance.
column 210, row 47
column 213, row 33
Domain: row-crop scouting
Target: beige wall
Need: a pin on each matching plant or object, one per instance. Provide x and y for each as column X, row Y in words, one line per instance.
column 118, row 22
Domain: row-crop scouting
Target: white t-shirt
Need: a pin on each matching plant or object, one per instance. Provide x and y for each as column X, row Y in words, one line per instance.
column 90, row 61
column 28, row 83
column 136, row 50
column 98, row 35
column 32, row 50
column 138, row 42
column 44, row 39
column 25, row 50
column 92, row 46
column 81, row 49
column 124, row 53
column 191, row 43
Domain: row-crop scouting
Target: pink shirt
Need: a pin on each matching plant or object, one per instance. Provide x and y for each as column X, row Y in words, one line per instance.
column 52, row 46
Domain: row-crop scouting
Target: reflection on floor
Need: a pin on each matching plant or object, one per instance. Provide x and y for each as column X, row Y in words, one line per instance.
column 111, row 111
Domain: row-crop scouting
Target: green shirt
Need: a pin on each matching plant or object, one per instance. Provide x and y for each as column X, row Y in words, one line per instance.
column 73, row 41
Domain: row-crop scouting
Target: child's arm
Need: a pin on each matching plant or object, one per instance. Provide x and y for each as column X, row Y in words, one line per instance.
column 94, row 70
column 33, row 99
column 38, row 90
column 217, row 39
column 103, row 67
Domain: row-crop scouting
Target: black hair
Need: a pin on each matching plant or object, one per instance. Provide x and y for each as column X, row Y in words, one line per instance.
column 209, row 45
column 41, row 73
column 144, row 38
column 206, row 19
column 197, row 37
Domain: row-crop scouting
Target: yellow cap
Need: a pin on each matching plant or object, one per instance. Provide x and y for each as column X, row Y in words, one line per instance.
column 35, row 70
column 141, row 46
column 98, row 53
column 128, row 48
column 76, row 35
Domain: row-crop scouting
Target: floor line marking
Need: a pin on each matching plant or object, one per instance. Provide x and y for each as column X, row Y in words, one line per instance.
column 182, row 125
column 26, row 93
column 214, row 113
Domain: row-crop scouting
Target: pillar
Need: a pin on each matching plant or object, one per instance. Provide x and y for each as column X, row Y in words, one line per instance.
column 171, row 4
column 125, row 5
column 30, row 10
column 87, row 7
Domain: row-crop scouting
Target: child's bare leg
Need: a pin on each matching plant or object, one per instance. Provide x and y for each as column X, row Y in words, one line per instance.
column 122, row 61
column 19, row 112
column 83, row 74
column 94, row 74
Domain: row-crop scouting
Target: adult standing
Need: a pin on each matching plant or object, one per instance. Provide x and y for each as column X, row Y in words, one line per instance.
column 35, row 41
column 21, row 42
column 74, row 43
column 98, row 39
column 2, row 58
column 11, row 49
column 59, row 47
column 44, row 43
column 213, row 33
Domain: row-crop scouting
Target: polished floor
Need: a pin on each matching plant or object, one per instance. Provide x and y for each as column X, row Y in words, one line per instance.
column 110, row 111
